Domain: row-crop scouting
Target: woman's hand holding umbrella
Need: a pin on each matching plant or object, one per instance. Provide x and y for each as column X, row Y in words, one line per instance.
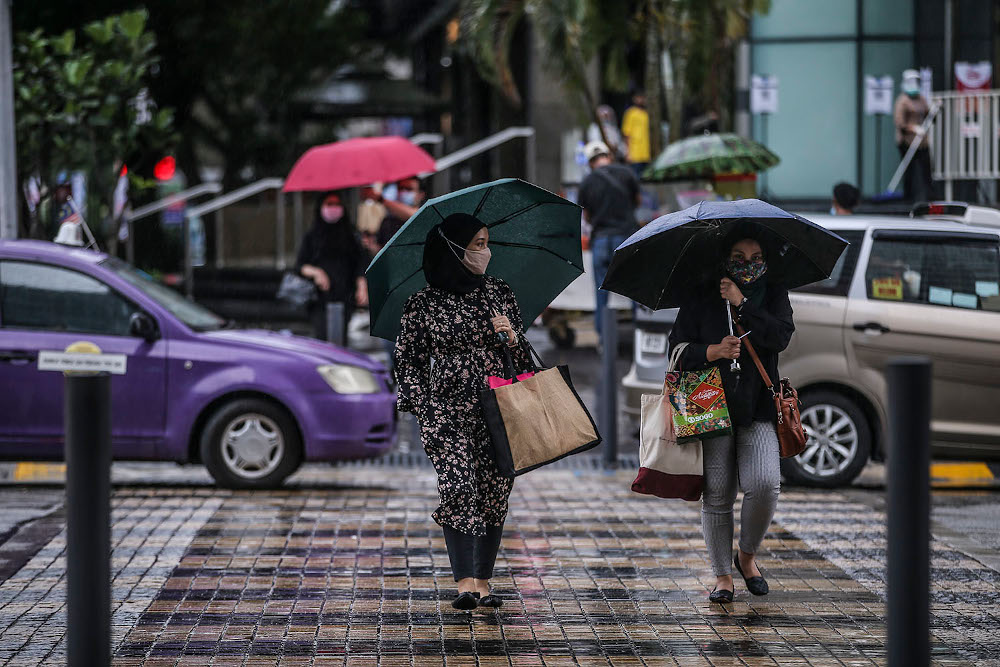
column 728, row 348
column 501, row 325
column 730, row 292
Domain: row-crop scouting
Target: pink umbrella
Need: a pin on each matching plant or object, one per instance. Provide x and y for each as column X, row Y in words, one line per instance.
column 355, row 162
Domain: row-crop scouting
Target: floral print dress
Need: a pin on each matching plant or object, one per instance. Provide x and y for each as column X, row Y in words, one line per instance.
column 445, row 350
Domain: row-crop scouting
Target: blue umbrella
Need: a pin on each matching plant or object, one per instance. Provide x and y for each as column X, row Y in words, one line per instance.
column 663, row 262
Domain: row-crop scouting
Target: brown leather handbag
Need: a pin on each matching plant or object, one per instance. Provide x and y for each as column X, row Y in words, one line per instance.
column 791, row 435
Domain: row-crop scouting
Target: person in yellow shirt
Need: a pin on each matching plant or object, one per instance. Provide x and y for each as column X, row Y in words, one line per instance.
column 635, row 128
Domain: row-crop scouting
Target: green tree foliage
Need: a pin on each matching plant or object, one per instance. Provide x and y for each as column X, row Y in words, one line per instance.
column 698, row 37
column 74, row 108
column 232, row 70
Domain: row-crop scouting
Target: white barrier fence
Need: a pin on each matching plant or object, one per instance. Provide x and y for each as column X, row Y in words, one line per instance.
column 965, row 137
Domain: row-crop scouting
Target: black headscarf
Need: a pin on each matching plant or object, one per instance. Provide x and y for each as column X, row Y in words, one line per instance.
column 443, row 266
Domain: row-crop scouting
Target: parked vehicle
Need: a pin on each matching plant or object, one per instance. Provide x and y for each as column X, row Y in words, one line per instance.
column 250, row 405
column 927, row 285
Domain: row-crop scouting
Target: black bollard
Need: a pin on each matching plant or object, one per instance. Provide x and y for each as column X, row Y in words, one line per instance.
column 609, row 385
column 335, row 323
column 908, row 474
column 88, row 518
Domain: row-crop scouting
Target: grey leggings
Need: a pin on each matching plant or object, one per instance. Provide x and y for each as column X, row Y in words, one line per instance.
column 751, row 460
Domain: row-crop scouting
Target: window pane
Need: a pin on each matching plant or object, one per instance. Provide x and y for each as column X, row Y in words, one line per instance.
column 956, row 273
column 807, row 18
column 839, row 281
column 814, row 132
column 888, row 17
column 880, row 59
column 49, row 298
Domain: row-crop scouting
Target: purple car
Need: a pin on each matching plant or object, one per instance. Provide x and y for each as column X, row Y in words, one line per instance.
column 250, row 405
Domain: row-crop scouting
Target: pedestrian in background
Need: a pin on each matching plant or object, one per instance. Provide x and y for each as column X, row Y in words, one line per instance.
column 635, row 128
column 609, row 123
column 455, row 322
column 749, row 458
column 609, row 196
column 845, row 199
column 331, row 256
column 909, row 113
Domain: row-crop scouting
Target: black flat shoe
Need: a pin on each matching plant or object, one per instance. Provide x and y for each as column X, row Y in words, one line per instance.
column 466, row 601
column 756, row 585
column 720, row 595
column 491, row 601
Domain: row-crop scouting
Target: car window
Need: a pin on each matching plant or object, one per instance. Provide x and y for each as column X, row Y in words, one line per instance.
column 952, row 271
column 188, row 312
column 839, row 281
column 51, row 298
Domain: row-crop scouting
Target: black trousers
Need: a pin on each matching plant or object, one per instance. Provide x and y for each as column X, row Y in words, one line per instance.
column 471, row 555
column 917, row 186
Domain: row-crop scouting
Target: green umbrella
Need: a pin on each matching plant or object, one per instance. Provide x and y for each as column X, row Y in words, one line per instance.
column 534, row 236
column 709, row 155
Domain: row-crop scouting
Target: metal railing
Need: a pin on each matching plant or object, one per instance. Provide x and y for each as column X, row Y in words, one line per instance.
column 216, row 205
column 965, row 137
column 209, row 188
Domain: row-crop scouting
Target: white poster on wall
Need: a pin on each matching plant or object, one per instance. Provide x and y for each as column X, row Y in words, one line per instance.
column 763, row 93
column 878, row 95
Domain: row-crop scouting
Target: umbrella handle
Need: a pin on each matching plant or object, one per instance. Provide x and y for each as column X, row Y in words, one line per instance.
column 735, row 365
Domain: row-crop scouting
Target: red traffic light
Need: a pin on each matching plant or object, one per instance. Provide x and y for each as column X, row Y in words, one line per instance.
column 165, row 169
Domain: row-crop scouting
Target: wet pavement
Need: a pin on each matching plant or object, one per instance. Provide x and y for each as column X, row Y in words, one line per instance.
column 345, row 567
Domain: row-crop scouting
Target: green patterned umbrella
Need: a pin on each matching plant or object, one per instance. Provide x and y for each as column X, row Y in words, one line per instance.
column 709, row 155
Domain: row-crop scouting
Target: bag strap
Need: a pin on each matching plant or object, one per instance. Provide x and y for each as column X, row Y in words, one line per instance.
column 753, row 352
column 675, row 358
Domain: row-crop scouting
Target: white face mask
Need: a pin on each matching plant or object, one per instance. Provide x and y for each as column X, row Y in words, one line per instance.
column 408, row 197
column 475, row 261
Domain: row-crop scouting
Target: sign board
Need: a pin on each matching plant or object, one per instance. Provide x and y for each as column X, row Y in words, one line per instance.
column 763, row 93
column 82, row 362
column 878, row 95
column 974, row 77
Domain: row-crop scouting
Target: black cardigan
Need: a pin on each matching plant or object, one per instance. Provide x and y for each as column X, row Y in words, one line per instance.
column 702, row 322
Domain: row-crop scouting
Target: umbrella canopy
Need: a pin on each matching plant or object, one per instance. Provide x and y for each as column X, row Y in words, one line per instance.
column 534, row 237
column 355, row 162
column 663, row 262
column 709, row 155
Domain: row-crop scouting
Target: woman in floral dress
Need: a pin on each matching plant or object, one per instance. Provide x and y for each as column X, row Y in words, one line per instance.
column 450, row 341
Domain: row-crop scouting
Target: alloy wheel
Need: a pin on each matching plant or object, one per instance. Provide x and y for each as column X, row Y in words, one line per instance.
column 252, row 446
column 832, row 440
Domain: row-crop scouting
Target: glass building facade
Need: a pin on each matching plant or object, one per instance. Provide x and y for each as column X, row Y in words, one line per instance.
column 821, row 51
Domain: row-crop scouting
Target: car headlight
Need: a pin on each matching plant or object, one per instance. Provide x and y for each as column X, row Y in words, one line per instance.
column 349, row 379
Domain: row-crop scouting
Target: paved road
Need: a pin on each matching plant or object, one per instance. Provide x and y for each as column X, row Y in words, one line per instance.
column 346, row 567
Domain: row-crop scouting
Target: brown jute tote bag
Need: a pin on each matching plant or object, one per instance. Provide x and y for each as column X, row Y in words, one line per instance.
column 537, row 420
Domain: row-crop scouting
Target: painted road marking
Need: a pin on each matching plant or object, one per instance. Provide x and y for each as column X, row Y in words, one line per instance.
column 966, row 473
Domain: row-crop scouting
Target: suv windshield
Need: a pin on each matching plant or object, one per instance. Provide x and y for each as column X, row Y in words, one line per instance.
column 195, row 316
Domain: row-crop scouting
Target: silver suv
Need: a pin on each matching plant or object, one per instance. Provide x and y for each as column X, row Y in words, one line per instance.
column 927, row 285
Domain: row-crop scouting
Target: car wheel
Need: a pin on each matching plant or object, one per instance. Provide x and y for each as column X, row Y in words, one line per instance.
column 839, row 442
column 250, row 443
column 562, row 336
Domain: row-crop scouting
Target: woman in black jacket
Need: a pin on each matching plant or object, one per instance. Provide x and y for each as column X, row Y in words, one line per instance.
column 331, row 256
column 749, row 458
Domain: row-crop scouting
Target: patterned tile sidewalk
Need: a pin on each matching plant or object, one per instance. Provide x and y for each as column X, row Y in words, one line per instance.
column 347, row 569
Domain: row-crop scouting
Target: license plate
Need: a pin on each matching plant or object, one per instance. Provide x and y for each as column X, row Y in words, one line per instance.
column 653, row 343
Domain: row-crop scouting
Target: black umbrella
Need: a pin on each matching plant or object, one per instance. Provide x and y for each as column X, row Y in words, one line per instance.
column 663, row 262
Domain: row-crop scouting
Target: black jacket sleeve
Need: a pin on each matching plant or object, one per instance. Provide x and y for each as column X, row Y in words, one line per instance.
column 305, row 255
column 770, row 328
column 685, row 330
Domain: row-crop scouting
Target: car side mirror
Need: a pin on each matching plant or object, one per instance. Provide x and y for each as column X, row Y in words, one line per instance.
column 143, row 326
